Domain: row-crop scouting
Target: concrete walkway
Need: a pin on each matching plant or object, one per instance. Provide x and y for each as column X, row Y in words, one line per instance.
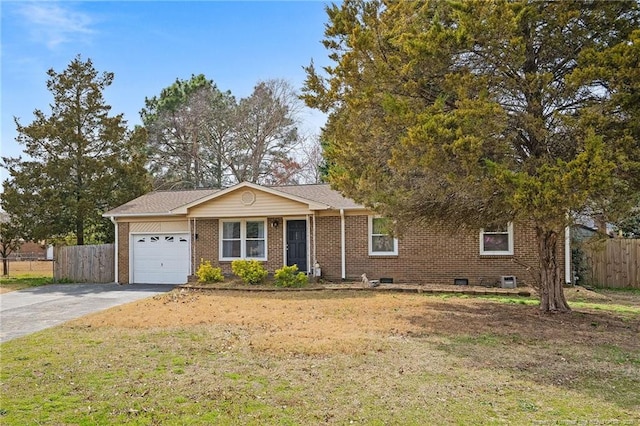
column 26, row 311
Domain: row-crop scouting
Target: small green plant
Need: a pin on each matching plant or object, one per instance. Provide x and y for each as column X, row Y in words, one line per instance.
column 208, row 274
column 287, row 277
column 250, row 271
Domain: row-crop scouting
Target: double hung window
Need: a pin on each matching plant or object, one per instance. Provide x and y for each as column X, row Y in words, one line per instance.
column 381, row 243
column 243, row 239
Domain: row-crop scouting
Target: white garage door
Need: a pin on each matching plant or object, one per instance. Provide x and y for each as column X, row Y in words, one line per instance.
column 160, row 258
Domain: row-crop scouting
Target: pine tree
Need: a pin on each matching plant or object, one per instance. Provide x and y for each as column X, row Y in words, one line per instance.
column 81, row 161
column 471, row 114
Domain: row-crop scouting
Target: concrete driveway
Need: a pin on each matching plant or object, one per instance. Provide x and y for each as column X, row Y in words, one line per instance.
column 27, row 311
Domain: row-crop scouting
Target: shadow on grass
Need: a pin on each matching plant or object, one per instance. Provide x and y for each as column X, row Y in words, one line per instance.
column 594, row 353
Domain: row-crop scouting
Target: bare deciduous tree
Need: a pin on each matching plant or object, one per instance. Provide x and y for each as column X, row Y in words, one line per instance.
column 266, row 131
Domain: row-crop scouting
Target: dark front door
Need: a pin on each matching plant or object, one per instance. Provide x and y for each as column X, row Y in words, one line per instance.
column 297, row 244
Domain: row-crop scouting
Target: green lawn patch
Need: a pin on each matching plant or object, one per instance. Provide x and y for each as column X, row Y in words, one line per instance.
column 24, row 281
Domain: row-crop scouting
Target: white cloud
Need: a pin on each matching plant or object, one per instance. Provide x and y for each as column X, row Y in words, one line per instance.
column 53, row 24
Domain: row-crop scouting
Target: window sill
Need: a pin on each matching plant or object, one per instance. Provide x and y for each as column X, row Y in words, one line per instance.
column 229, row 260
column 495, row 255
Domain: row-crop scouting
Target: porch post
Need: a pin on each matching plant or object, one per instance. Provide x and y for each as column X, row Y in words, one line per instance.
column 315, row 249
column 343, row 251
column 193, row 246
column 308, row 236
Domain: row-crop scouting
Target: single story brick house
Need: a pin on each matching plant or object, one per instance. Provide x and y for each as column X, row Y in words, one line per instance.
column 163, row 236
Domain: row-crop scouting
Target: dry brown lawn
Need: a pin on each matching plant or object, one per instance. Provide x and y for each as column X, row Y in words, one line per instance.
column 31, row 267
column 330, row 357
column 352, row 322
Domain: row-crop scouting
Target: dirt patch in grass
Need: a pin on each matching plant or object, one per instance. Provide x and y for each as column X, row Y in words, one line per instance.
column 579, row 294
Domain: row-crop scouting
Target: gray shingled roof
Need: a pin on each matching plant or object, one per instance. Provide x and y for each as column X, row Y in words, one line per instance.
column 320, row 194
column 162, row 202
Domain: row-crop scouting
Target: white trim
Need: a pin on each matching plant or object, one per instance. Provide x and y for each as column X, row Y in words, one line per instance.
column 156, row 214
column 343, row 251
column 508, row 252
column 567, row 255
column 315, row 243
column 284, row 241
column 243, row 238
column 394, row 252
column 309, row 268
column 194, row 254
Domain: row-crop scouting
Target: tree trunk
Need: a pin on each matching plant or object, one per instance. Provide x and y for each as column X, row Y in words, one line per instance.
column 80, row 232
column 5, row 266
column 551, row 291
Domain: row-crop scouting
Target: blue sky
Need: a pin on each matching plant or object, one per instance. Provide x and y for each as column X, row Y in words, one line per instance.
column 148, row 44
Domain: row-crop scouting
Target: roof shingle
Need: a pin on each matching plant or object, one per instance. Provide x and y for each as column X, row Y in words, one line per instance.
column 159, row 202
column 163, row 202
column 320, row 193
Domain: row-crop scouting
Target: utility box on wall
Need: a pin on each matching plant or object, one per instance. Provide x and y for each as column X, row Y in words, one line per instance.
column 508, row 281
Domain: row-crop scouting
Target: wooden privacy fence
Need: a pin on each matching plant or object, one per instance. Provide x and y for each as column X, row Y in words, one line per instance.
column 614, row 263
column 93, row 264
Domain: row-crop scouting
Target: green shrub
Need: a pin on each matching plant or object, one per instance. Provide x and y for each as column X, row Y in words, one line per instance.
column 250, row 271
column 208, row 274
column 287, row 277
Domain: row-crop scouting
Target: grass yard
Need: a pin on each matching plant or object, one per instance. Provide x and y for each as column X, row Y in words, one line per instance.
column 192, row 357
column 25, row 273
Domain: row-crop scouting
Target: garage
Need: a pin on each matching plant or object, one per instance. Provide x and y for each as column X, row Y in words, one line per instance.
column 160, row 258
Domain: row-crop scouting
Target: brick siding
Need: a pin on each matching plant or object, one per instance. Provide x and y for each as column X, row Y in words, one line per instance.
column 429, row 256
column 123, row 252
column 207, row 245
column 424, row 255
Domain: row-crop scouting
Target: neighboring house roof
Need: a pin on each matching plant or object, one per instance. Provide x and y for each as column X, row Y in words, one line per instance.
column 319, row 197
column 588, row 222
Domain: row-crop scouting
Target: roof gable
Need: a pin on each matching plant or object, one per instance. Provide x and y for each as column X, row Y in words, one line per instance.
column 313, row 205
column 315, row 197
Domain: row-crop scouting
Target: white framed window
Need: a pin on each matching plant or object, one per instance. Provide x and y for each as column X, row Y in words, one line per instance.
column 497, row 240
column 243, row 239
column 380, row 242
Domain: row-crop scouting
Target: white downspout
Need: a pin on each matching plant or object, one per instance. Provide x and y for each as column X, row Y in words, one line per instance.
column 315, row 250
column 308, row 248
column 343, row 251
column 193, row 248
column 285, row 246
column 567, row 255
column 115, row 260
